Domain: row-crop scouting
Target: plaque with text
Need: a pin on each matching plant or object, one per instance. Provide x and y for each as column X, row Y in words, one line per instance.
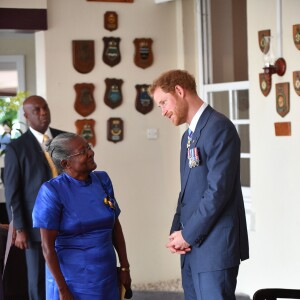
column 111, row 52
column 84, row 102
column 143, row 101
column 83, row 56
column 143, row 57
column 85, row 128
column 283, row 98
column 113, row 93
column 115, row 130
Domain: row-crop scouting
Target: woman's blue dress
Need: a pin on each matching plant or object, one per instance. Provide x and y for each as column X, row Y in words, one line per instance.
column 84, row 243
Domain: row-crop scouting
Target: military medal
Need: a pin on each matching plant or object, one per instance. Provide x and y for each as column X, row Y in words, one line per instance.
column 193, row 157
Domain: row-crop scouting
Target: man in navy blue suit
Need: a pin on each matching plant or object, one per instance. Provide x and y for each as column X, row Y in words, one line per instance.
column 209, row 226
column 26, row 168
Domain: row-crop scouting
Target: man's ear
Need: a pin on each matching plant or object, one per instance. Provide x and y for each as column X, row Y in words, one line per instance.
column 179, row 90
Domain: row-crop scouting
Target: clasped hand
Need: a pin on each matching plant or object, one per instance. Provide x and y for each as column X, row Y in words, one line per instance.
column 177, row 244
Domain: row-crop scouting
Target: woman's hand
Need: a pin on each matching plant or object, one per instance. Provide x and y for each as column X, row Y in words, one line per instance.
column 65, row 294
column 125, row 279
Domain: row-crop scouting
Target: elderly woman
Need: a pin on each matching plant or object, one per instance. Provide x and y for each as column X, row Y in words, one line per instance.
column 78, row 218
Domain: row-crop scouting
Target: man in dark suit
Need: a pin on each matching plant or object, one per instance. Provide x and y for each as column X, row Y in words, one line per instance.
column 209, row 226
column 26, row 168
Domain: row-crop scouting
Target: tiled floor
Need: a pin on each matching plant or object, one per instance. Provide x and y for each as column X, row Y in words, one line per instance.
column 139, row 295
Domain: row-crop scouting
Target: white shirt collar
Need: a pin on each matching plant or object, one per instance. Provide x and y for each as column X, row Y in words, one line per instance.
column 197, row 116
column 39, row 136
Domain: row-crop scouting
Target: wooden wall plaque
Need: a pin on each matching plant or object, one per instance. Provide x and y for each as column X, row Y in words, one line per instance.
column 84, row 101
column 296, row 35
column 111, row 20
column 262, row 42
column 111, row 52
column 85, row 128
column 113, row 94
column 296, row 82
column 143, row 56
column 265, row 84
column 83, row 55
column 283, row 128
column 143, row 101
column 115, row 130
column 283, row 98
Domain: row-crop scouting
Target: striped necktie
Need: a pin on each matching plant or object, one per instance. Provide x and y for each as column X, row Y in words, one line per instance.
column 47, row 155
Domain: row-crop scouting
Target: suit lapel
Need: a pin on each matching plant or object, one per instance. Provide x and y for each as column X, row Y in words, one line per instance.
column 185, row 169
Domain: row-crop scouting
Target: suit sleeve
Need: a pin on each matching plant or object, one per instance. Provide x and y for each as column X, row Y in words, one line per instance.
column 13, row 187
column 222, row 148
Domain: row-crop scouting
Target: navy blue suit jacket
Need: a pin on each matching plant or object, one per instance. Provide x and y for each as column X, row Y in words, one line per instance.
column 210, row 208
column 26, row 168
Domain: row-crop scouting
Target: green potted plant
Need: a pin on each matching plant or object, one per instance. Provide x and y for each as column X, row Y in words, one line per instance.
column 9, row 107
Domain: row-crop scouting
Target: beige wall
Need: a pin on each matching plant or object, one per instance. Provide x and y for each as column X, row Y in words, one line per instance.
column 275, row 243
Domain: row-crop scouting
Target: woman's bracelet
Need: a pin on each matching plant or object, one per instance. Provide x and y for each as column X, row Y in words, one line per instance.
column 125, row 269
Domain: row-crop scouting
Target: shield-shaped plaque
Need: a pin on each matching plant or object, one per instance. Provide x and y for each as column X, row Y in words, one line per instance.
column 143, row 101
column 264, row 47
column 84, row 102
column 143, row 57
column 296, row 81
column 115, row 129
column 265, row 83
column 85, row 128
column 282, row 98
column 296, row 35
column 111, row 20
column 83, row 56
column 111, row 53
column 113, row 93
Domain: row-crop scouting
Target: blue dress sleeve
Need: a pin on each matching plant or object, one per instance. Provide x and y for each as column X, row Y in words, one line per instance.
column 47, row 209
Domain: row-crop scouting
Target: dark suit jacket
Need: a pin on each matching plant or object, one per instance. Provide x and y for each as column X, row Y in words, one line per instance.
column 210, row 208
column 26, row 168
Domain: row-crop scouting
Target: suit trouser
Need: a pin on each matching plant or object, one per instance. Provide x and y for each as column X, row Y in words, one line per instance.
column 214, row 285
column 35, row 271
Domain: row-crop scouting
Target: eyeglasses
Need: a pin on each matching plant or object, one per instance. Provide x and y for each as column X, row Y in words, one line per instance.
column 82, row 152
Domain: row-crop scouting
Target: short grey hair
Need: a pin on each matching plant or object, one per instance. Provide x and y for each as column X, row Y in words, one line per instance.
column 59, row 149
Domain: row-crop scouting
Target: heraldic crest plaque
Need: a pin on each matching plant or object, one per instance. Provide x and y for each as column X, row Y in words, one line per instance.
column 84, row 102
column 113, row 93
column 111, row 20
column 296, row 35
column 265, row 84
column 296, row 81
column 111, row 52
column 143, row 57
column 264, row 47
column 115, row 130
column 282, row 98
column 85, row 128
column 83, row 56
column 143, row 101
